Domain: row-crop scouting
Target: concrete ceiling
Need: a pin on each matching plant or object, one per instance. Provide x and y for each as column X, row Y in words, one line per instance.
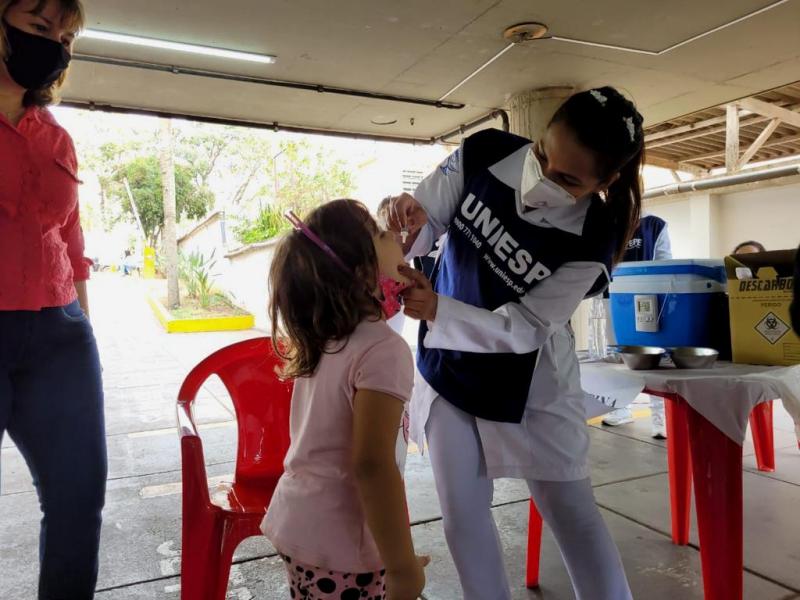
column 423, row 48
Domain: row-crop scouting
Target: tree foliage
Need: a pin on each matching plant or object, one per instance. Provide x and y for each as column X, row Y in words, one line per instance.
column 144, row 176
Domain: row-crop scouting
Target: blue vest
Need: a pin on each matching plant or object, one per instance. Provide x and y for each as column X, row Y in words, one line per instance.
column 493, row 257
column 642, row 246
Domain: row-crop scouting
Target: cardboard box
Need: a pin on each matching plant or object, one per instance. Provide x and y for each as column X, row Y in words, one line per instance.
column 760, row 291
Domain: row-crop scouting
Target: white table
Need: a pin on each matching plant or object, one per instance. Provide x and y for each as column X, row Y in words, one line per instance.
column 707, row 414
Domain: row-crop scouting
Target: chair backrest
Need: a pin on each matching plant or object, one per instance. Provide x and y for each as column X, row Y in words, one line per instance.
column 261, row 401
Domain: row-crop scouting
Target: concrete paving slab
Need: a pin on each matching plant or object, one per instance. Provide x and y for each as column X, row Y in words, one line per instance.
column 657, row 570
column 144, row 408
column 141, row 534
column 263, row 578
column 137, row 454
column 771, row 529
column 787, row 465
column 611, row 458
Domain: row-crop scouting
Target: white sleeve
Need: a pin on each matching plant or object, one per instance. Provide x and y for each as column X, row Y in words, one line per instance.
column 662, row 250
column 441, row 191
column 516, row 327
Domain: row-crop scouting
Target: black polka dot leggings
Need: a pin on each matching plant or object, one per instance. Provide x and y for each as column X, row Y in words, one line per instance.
column 315, row 583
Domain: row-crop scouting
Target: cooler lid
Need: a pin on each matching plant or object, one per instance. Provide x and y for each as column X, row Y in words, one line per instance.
column 708, row 268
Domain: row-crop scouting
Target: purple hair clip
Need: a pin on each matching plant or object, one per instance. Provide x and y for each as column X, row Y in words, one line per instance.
column 298, row 224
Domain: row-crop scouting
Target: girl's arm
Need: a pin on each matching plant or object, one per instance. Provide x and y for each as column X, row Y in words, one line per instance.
column 516, row 327
column 376, row 421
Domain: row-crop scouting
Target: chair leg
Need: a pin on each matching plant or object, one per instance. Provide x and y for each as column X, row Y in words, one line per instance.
column 234, row 532
column 763, row 436
column 202, row 534
column 534, row 547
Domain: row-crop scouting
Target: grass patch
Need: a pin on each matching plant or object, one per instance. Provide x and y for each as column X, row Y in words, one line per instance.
column 190, row 308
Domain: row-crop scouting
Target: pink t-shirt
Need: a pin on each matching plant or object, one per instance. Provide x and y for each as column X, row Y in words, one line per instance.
column 315, row 515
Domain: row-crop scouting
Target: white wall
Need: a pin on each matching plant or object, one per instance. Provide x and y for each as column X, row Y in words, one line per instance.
column 769, row 215
column 244, row 277
column 677, row 213
column 205, row 238
column 704, row 225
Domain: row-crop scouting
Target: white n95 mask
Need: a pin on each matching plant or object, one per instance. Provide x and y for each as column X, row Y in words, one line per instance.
column 538, row 191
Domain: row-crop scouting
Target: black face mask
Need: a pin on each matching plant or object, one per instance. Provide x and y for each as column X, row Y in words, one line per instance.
column 33, row 61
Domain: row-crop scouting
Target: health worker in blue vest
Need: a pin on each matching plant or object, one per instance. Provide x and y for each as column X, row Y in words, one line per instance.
column 650, row 241
column 533, row 227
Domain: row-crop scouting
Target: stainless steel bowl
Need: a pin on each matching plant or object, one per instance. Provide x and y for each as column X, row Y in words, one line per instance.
column 641, row 358
column 694, row 358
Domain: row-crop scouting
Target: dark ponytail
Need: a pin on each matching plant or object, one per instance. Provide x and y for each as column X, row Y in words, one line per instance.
column 608, row 124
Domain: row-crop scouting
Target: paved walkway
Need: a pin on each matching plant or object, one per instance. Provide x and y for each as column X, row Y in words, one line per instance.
column 143, row 368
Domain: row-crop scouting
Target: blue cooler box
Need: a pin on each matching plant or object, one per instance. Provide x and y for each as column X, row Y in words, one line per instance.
column 676, row 303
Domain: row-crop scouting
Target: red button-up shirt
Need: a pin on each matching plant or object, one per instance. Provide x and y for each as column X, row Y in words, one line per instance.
column 41, row 242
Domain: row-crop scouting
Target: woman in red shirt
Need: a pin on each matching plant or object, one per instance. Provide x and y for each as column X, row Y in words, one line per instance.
column 51, row 396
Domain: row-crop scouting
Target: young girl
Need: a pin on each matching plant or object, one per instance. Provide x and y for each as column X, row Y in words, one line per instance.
column 338, row 516
column 533, row 228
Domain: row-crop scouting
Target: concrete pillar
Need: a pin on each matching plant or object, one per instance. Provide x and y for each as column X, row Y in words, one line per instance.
column 704, row 224
column 530, row 111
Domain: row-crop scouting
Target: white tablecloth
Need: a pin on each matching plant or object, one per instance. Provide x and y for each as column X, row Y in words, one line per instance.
column 724, row 395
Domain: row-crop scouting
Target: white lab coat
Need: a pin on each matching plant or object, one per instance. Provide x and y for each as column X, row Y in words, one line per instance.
column 551, row 443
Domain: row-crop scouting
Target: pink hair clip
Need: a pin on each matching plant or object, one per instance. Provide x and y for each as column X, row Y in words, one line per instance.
column 298, row 224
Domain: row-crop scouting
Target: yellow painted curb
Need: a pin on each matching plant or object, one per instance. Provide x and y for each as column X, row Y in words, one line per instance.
column 173, row 325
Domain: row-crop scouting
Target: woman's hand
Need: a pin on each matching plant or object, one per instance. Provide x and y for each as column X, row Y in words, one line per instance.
column 420, row 301
column 405, row 214
column 407, row 584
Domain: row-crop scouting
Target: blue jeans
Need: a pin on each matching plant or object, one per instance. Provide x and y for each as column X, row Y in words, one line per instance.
column 51, row 403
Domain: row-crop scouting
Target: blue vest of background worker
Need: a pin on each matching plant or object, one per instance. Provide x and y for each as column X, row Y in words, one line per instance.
column 649, row 242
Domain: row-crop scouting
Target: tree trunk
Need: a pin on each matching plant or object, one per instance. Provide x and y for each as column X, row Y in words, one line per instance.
column 169, row 236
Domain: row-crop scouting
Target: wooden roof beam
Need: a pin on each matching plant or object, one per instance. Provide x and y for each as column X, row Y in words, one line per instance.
column 716, row 155
column 772, row 111
column 732, row 138
column 672, row 165
column 701, row 128
column 758, row 142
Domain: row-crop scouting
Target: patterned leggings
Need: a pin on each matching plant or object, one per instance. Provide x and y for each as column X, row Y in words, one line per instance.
column 314, row 583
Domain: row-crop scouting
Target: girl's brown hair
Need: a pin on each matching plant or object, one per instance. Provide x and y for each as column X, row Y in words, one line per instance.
column 72, row 18
column 313, row 300
column 608, row 124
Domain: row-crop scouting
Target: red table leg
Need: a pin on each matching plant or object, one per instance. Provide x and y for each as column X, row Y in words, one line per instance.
column 679, row 464
column 534, row 547
column 763, row 436
column 717, row 465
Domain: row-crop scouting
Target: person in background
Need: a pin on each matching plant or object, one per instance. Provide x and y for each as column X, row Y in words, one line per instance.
column 398, row 321
column 51, row 391
column 649, row 242
column 749, row 247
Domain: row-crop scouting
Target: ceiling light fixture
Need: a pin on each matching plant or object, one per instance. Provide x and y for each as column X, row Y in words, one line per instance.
column 527, row 32
column 133, row 40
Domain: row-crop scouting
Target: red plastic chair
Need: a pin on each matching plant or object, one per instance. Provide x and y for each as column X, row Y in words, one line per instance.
column 214, row 527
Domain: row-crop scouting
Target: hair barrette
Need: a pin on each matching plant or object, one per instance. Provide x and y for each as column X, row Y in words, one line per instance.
column 599, row 96
column 298, row 224
column 631, row 127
